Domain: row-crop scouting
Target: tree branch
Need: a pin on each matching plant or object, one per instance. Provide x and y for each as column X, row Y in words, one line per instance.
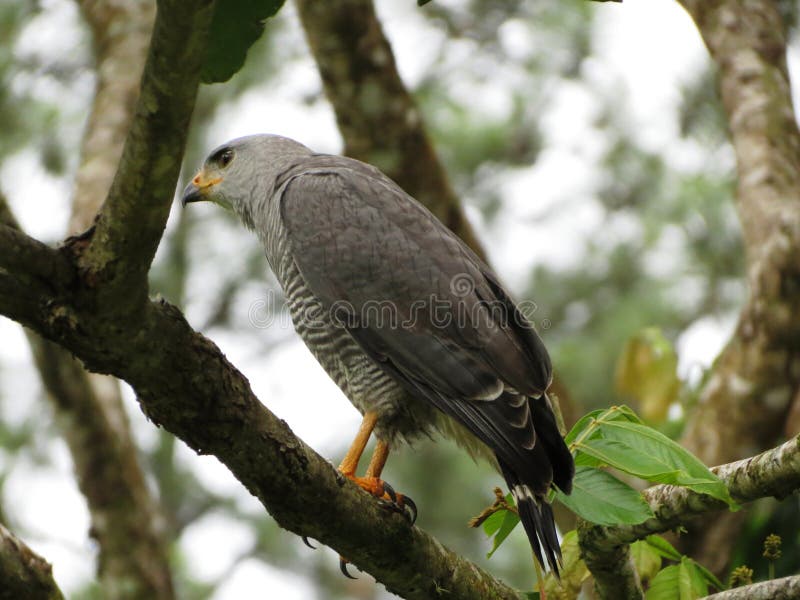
column 133, row 557
column 775, row 472
column 785, row 588
column 23, row 573
column 131, row 221
column 28, row 259
column 378, row 118
column 748, row 394
column 185, row 384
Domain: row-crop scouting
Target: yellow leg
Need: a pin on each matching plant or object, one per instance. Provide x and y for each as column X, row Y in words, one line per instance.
column 350, row 461
column 371, row 482
column 378, row 460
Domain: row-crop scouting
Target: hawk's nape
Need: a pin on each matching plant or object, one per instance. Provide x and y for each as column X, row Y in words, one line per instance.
column 415, row 329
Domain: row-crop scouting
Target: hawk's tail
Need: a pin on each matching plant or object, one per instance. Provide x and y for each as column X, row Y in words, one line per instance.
column 529, row 490
column 537, row 519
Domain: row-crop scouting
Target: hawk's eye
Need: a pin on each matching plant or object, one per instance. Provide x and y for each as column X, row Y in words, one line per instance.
column 225, row 158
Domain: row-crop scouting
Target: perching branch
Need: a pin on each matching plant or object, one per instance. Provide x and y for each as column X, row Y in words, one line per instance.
column 185, row 384
column 30, row 259
column 133, row 558
column 775, row 472
column 23, row 573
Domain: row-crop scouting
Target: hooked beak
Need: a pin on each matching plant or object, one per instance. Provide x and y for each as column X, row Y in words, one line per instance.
column 198, row 188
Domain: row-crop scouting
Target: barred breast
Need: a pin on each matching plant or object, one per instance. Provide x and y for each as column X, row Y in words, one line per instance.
column 361, row 379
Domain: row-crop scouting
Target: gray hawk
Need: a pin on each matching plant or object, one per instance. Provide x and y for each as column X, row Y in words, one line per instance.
column 414, row 328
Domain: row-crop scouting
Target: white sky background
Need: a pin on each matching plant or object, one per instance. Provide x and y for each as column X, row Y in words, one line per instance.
column 644, row 50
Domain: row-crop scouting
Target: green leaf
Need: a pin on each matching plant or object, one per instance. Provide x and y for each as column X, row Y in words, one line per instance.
column 710, row 578
column 691, row 582
column 601, row 498
column 646, row 559
column 235, row 27
column 678, row 582
column 582, row 424
column 507, row 524
column 493, row 522
column 667, row 550
column 692, row 473
column 664, row 586
column 663, row 547
column 625, row 458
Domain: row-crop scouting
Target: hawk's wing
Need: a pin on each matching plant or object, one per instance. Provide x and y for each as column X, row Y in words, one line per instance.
column 422, row 305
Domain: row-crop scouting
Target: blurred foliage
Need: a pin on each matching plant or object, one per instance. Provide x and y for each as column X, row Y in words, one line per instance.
column 235, row 27
column 28, row 120
column 769, row 516
column 647, row 372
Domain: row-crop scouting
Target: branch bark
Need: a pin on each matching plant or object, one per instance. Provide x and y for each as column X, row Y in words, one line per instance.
column 185, row 384
column 378, row 118
column 785, row 588
column 133, row 560
column 775, row 472
column 23, row 573
column 132, row 219
column 748, row 395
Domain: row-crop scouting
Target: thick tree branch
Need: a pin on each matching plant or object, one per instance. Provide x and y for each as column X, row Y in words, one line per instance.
column 18, row 300
column 184, row 383
column 23, row 573
column 754, row 380
column 378, row 118
column 786, row 588
column 133, row 557
column 775, row 472
column 131, row 222
column 29, row 259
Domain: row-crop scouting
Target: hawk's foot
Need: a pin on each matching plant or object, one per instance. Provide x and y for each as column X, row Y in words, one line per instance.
column 387, row 497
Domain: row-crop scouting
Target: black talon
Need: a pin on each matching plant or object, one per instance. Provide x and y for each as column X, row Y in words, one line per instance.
column 390, row 492
column 307, row 543
column 343, row 568
column 411, row 514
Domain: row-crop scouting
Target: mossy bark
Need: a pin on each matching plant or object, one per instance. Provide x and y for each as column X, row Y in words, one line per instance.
column 23, row 573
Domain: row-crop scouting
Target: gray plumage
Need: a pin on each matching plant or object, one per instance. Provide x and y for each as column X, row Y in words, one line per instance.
column 405, row 318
